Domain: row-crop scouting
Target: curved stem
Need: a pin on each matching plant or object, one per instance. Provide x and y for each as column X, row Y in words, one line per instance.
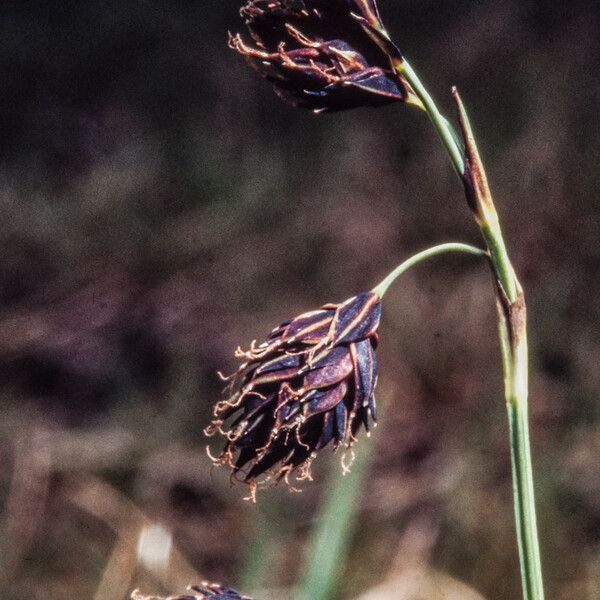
column 511, row 323
column 382, row 288
column 441, row 124
column 488, row 221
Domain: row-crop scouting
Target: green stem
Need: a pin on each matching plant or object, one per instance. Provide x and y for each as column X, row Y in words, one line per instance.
column 505, row 274
column 513, row 338
column 382, row 288
column 514, row 357
column 441, row 124
column 330, row 539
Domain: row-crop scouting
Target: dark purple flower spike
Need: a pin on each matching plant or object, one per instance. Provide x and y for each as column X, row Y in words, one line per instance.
column 309, row 384
column 206, row 591
column 324, row 55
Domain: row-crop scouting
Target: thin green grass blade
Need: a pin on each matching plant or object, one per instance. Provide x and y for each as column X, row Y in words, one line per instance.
column 328, row 548
column 257, row 566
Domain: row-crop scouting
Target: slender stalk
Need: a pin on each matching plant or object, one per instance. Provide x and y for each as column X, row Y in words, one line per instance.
column 511, row 324
column 382, row 288
column 514, row 357
column 441, row 124
column 334, row 527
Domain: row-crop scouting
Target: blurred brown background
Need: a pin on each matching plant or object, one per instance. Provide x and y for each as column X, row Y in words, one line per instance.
column 160, row 205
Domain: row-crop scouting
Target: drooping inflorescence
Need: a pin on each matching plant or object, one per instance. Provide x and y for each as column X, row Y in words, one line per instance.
column 310, row 383
column 324, row 55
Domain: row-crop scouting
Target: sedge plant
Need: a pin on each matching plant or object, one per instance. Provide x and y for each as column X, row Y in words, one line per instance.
column 311, row 382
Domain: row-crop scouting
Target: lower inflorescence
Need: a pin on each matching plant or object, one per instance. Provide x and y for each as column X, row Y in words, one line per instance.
column 309, row 384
